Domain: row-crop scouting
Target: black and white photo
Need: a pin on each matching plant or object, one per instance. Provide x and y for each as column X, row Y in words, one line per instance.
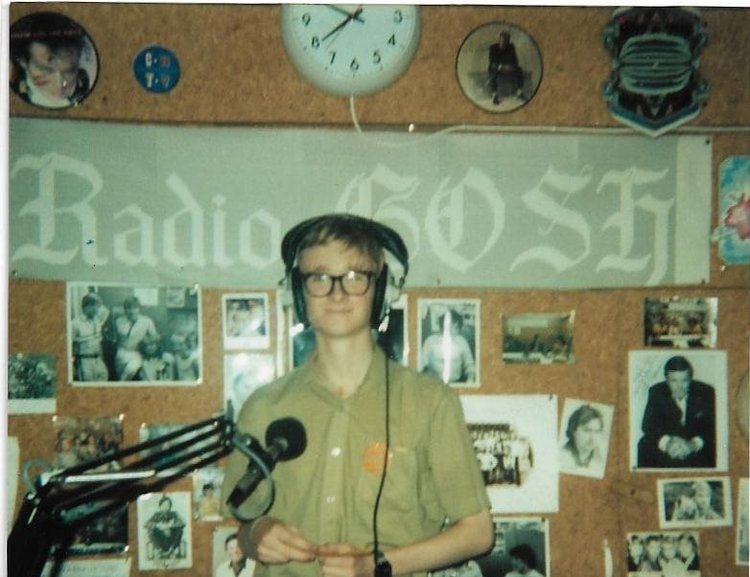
column 515, row 441
column 678, row 410
column 584, row 437
column 164, row 531
column 133, row 335
column 449, row 340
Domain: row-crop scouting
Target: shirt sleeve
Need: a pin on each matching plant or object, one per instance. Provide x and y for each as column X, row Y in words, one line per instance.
column 455, row 467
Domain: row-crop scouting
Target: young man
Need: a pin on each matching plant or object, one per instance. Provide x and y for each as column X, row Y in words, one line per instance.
column 342, row 508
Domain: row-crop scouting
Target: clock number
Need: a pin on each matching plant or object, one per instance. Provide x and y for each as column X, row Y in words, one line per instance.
column 354, row 65
column 376, row 58
column 315, row 42
column 392, row 40
column 333, row 57
column 306, row 19
column 398, row 17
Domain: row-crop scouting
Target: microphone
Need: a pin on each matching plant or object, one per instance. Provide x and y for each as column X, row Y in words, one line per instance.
column 286, row 440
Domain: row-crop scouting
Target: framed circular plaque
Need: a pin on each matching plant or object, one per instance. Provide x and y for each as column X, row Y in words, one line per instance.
column 499, row 67
column 53, row 62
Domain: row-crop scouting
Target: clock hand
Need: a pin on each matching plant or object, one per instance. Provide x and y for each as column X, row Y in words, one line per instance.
column 353, row 16
column 356, row 15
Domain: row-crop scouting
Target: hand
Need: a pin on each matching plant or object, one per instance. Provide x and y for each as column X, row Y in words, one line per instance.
column 272, row 541
column 345, row 560
column 356, row 16
column 678, row 448
column 353, row 16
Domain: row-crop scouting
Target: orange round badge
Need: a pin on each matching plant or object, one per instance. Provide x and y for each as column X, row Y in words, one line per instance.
column 373, row 458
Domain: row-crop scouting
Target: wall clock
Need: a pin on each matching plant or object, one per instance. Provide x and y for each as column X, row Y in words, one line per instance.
column 348, row 49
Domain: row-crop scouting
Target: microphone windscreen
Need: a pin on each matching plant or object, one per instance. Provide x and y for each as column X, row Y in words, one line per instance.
column 293, row 432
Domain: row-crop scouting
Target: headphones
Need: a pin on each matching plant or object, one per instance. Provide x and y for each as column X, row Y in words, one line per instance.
column 387, row 285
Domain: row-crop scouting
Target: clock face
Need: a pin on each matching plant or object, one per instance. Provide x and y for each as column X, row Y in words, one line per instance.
column 349, row 49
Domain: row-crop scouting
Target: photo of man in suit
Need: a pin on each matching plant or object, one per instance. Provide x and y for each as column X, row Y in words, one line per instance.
column 679, row 421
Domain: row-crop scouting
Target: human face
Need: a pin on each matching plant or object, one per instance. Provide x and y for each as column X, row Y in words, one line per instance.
column 132, row 313
column 653, row 548
column 53, row 73
column 338, row 314
column 686, row 548
column 678, row 382
column 636, row 548
column 703, row 498
column 585, row 436
column 234, row 552
column 668, row 550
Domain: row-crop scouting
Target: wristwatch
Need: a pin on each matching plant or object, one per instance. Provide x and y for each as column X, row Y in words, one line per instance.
column 382, row 566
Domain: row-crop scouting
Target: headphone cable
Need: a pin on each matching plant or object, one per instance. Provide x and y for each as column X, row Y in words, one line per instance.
column 376, row 543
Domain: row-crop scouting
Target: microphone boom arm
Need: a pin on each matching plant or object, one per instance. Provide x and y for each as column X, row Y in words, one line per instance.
column 61, row 501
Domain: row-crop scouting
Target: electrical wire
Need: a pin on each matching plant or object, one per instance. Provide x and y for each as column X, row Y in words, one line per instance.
column 506, row 128
column 375, row 539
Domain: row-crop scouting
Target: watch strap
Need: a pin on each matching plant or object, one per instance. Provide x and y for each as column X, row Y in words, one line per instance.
column 382, row 565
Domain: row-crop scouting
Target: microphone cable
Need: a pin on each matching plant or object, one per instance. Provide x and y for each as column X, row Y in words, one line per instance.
column 376, row 542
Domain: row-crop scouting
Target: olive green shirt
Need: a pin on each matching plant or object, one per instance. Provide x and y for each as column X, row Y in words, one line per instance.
column 329, row 491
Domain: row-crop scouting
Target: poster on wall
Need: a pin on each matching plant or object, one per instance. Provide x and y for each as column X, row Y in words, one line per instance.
column 133, row 335
column 515, row 441
column 93, row 201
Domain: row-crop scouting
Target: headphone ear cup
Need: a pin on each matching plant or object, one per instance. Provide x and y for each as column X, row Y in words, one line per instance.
column 298, row 298
column 380, row 302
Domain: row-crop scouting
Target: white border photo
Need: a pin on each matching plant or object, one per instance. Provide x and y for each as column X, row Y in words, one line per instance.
column 652, row 407
column 585, row 428
column 245, row 321
column 122, row 335
column 694, row 502
column 164, row 531
column 515, row 438
column 448, row 336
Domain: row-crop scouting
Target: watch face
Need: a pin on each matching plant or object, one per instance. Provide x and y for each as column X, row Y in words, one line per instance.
column 350, row 49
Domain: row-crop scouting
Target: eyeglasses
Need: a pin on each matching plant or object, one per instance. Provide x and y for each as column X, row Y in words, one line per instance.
column 353, row 283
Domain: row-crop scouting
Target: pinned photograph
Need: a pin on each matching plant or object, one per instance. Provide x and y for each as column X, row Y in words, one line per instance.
column 499, row 67
column 207, row 493
column 53, row 61
column 164, row 531
column 743, row 524
column 449, row 340
column 244, row 373
column 228, row 558
column 245, row 321
column 733, row 232
column 678, row 410
column 133, row 335
column 680, row 323
column 651, row 554
column 79, row 440
column 694, row 502
column 515, row 441
column 32, row 384
column 521, row 549
column 584, row 437
column 538, row 338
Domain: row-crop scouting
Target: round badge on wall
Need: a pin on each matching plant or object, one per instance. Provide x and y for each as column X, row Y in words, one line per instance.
column 156, row 69
column 53, row 62
column 499, row 67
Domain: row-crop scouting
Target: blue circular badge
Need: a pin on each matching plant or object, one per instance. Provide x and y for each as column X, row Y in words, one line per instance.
column 157, row 69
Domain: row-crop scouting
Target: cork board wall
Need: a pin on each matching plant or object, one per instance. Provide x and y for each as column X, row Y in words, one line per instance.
column 235, row 72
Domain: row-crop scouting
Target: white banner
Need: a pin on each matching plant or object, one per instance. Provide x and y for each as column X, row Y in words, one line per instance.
column 92, row 201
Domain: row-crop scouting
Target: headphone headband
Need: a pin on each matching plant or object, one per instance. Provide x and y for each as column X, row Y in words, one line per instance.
column 388, row 238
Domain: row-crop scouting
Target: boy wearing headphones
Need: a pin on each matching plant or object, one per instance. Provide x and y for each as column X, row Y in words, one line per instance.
column 389, row 461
